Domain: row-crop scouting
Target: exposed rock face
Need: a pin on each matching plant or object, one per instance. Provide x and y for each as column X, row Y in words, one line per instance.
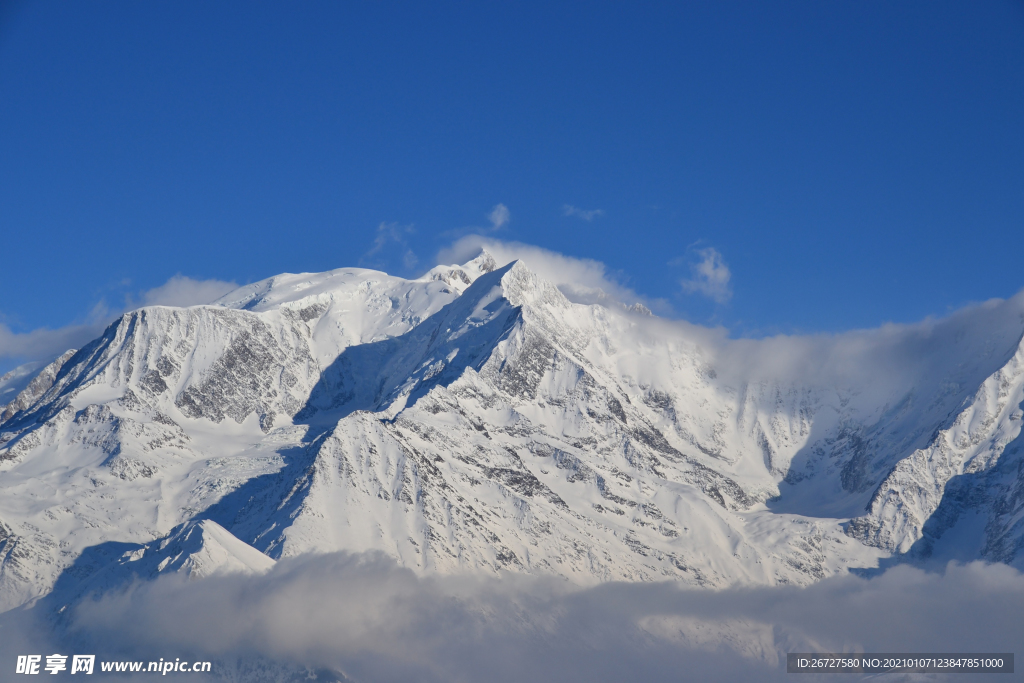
column 38, row 386
column 972, row 444
column 476, row 419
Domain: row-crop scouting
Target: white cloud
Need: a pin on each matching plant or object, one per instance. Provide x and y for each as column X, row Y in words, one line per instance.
column 710, row 276
column 366, row 617
column 182, row 290
column 581, row 280
column 587, row 215
column 499, row 217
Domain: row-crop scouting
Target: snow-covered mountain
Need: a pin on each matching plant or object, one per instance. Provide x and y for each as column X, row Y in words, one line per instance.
column 477, row 419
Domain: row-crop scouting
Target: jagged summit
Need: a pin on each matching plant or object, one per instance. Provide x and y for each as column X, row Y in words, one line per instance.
column 475, row 419
column 460, row 277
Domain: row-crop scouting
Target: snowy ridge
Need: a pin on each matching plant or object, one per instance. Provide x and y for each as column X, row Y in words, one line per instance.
column 476, row 419
column 914, row 489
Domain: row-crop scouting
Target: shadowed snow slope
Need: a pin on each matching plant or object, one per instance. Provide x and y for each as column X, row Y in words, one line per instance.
column 476, row 419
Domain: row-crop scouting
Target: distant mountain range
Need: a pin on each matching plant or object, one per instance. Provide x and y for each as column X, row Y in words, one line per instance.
column 476, row 419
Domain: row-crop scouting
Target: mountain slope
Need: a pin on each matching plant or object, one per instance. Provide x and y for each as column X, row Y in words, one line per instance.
column 477, row 419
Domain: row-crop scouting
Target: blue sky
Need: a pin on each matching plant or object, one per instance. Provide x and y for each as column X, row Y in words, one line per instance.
column 832, row 165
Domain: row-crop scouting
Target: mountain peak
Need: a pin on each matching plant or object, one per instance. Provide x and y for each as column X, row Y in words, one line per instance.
column 522, row 286
column 475, row 419
column 482, row 263
column 459, row 277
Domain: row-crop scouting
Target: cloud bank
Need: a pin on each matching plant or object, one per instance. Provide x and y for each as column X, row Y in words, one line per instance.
column 364, row 617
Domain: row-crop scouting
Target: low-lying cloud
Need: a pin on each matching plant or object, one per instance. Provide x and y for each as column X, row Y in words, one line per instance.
column 363, row 616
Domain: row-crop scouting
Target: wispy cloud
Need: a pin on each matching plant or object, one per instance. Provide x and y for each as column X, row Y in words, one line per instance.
column 390, row 238
column 499, row 217
column 587, row 215
column 710, row 276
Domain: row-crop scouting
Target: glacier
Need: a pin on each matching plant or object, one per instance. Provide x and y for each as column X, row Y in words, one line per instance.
column 482, row 419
